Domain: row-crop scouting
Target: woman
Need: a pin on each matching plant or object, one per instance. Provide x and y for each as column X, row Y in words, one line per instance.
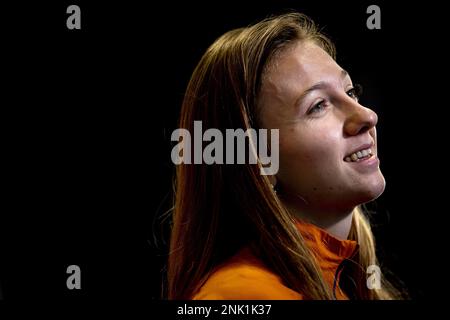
column 298, row 234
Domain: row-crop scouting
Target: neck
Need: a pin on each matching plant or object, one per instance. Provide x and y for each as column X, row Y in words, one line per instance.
column 337, row 224
column 339, row 227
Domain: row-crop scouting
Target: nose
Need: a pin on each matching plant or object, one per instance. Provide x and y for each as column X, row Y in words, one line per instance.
column 359, row 120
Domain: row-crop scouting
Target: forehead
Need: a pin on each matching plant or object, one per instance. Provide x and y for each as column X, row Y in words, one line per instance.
column 299, row 67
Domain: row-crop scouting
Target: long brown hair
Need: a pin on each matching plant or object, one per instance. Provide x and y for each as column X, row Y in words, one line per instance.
column 220, row 208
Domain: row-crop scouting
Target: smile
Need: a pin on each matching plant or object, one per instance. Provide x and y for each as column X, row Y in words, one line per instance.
column 359, row 155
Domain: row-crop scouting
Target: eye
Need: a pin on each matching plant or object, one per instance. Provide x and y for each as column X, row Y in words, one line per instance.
column 355, row 92
column 318, row 107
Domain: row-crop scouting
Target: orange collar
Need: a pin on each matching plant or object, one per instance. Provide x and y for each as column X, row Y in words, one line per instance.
column 329, row 252
column 245, row 276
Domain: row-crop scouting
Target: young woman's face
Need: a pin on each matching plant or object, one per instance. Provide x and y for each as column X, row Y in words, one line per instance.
column 309, row 98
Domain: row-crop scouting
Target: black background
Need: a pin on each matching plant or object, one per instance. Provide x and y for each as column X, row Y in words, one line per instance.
column 87, row 116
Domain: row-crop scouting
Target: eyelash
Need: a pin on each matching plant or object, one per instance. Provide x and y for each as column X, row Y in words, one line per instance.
column 354, row 93
column 357, row 91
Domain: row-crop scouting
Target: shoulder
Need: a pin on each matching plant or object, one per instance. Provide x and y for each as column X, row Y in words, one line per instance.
column 244, row 277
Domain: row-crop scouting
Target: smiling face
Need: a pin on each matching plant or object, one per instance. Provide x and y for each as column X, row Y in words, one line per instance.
column 311, row 100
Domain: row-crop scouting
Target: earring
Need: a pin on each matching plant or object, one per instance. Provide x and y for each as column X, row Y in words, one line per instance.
column 274, row 188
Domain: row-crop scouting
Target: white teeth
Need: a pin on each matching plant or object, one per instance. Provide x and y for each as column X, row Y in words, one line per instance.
column 358, row 155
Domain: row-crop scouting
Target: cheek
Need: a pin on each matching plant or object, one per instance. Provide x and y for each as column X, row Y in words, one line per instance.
column 308, row 162
column 308, row 148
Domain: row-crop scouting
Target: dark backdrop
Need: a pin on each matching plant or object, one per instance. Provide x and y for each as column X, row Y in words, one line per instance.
column 88, row 115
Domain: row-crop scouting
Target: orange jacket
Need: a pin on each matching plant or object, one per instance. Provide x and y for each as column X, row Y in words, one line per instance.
column 245, row 277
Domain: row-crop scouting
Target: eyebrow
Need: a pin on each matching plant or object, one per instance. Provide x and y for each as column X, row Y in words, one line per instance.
column 318, row 86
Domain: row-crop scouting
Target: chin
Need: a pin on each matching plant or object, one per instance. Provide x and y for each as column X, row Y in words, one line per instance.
column 372, row 190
